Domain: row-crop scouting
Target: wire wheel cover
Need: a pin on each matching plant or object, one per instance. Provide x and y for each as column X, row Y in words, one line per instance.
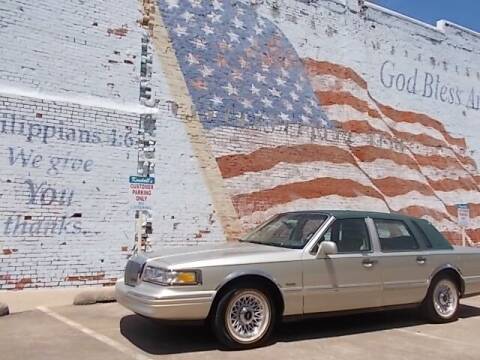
column 445, row 298
column 248, row 316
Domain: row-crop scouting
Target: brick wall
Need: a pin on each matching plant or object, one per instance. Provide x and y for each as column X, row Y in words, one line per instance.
column 80, row 79
column 63, row 198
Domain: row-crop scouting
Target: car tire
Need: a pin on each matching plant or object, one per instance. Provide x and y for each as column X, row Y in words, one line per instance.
column 244, row 317
column 442, row 301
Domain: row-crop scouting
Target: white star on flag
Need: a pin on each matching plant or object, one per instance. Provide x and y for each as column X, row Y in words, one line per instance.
column 187, row 16
column 199, row 43
column 247, row 104
column 267, row 102
column 214, row 18
column 233, row 37
column 288, row 105
column 206, row 71
column 172, row 4
column 280, row 81
column 217, row 5
column 243, row 63
column 304, row 119
column 207, row 29
column 216, row 100
column 307, row 110
column 181, row 30
column 274, row 92
column 196, row 3
column 192, row 60
column 231, row 90
column 237, row 22
column 259, row 77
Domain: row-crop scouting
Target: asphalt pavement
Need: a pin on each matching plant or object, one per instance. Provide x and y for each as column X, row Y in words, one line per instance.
column 108, row 331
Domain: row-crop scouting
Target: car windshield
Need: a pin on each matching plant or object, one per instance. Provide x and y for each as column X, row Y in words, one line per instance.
column 287, row 230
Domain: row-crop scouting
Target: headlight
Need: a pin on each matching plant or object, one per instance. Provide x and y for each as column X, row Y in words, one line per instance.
column 171, row 277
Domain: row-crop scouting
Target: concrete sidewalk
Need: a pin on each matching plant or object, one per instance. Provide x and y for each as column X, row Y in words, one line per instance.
column 29, row 299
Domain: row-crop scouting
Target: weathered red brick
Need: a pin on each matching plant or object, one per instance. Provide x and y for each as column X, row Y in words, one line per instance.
column 99, row 276
column 21, row 284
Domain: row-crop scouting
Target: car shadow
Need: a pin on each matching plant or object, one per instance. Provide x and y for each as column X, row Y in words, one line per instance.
column 162, row 339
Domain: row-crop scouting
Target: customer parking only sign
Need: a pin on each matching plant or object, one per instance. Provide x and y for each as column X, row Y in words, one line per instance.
column 141, row 187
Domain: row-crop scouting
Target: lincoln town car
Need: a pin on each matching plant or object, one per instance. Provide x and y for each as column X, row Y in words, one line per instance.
column 301, row 264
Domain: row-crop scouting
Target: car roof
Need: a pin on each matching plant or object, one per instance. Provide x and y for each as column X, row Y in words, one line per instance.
column 345, row 214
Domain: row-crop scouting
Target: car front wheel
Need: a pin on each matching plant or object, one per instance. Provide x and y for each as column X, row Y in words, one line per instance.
column 442, row 301
column 244, row 318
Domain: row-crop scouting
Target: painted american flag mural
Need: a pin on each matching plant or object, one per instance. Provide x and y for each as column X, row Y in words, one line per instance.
column 292, row 133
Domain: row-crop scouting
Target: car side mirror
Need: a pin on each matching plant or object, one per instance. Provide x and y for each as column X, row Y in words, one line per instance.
column 326, row 249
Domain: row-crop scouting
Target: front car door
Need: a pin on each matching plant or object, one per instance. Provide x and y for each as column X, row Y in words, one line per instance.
column 348, row 280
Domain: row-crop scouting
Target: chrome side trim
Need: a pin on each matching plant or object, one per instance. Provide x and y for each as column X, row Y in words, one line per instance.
column 201, row 295
column 404, row 284
column 341, row 287
column 291, row 289
column 354, row 286
column 469, row 279
column 318, row 287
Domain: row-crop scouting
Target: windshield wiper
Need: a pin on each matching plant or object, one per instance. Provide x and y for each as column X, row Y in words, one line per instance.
column 264, row 243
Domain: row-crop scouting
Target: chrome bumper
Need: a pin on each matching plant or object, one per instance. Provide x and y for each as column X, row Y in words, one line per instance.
column 157, row 302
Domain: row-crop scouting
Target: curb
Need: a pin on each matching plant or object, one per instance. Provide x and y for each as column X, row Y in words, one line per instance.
column 95, row 296
column 4, row 309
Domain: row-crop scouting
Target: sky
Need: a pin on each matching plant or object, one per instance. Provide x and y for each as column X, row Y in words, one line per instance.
column 461, row 12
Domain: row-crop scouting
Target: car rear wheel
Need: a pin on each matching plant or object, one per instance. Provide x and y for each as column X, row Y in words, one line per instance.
column 244, row 318
column 442, row 301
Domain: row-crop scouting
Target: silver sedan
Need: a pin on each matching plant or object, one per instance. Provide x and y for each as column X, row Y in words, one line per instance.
column 303, row 264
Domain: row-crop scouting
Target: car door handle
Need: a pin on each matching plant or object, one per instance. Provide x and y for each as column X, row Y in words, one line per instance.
column 368, row 263
column 421, row 260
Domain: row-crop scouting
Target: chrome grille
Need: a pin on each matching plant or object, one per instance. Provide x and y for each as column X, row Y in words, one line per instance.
column 133, row 270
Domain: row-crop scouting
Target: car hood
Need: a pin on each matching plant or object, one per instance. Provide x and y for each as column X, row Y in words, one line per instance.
column 229, row 253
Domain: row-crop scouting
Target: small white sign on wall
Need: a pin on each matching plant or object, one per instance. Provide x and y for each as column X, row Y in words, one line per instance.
column 463, row 212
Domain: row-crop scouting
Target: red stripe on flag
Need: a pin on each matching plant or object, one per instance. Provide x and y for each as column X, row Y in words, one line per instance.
column 393, row 186
column 327, row 98
column 267, row 158
column 371, row 153
column 342, row 72
column 317, row 188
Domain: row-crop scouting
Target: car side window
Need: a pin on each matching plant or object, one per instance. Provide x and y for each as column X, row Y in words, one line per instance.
column 350, row 235
column 284, row 230
column 309, row 228
column 394, row 235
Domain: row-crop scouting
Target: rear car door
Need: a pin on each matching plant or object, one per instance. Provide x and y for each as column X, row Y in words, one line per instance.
column 348, row 280
column 405, row 262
